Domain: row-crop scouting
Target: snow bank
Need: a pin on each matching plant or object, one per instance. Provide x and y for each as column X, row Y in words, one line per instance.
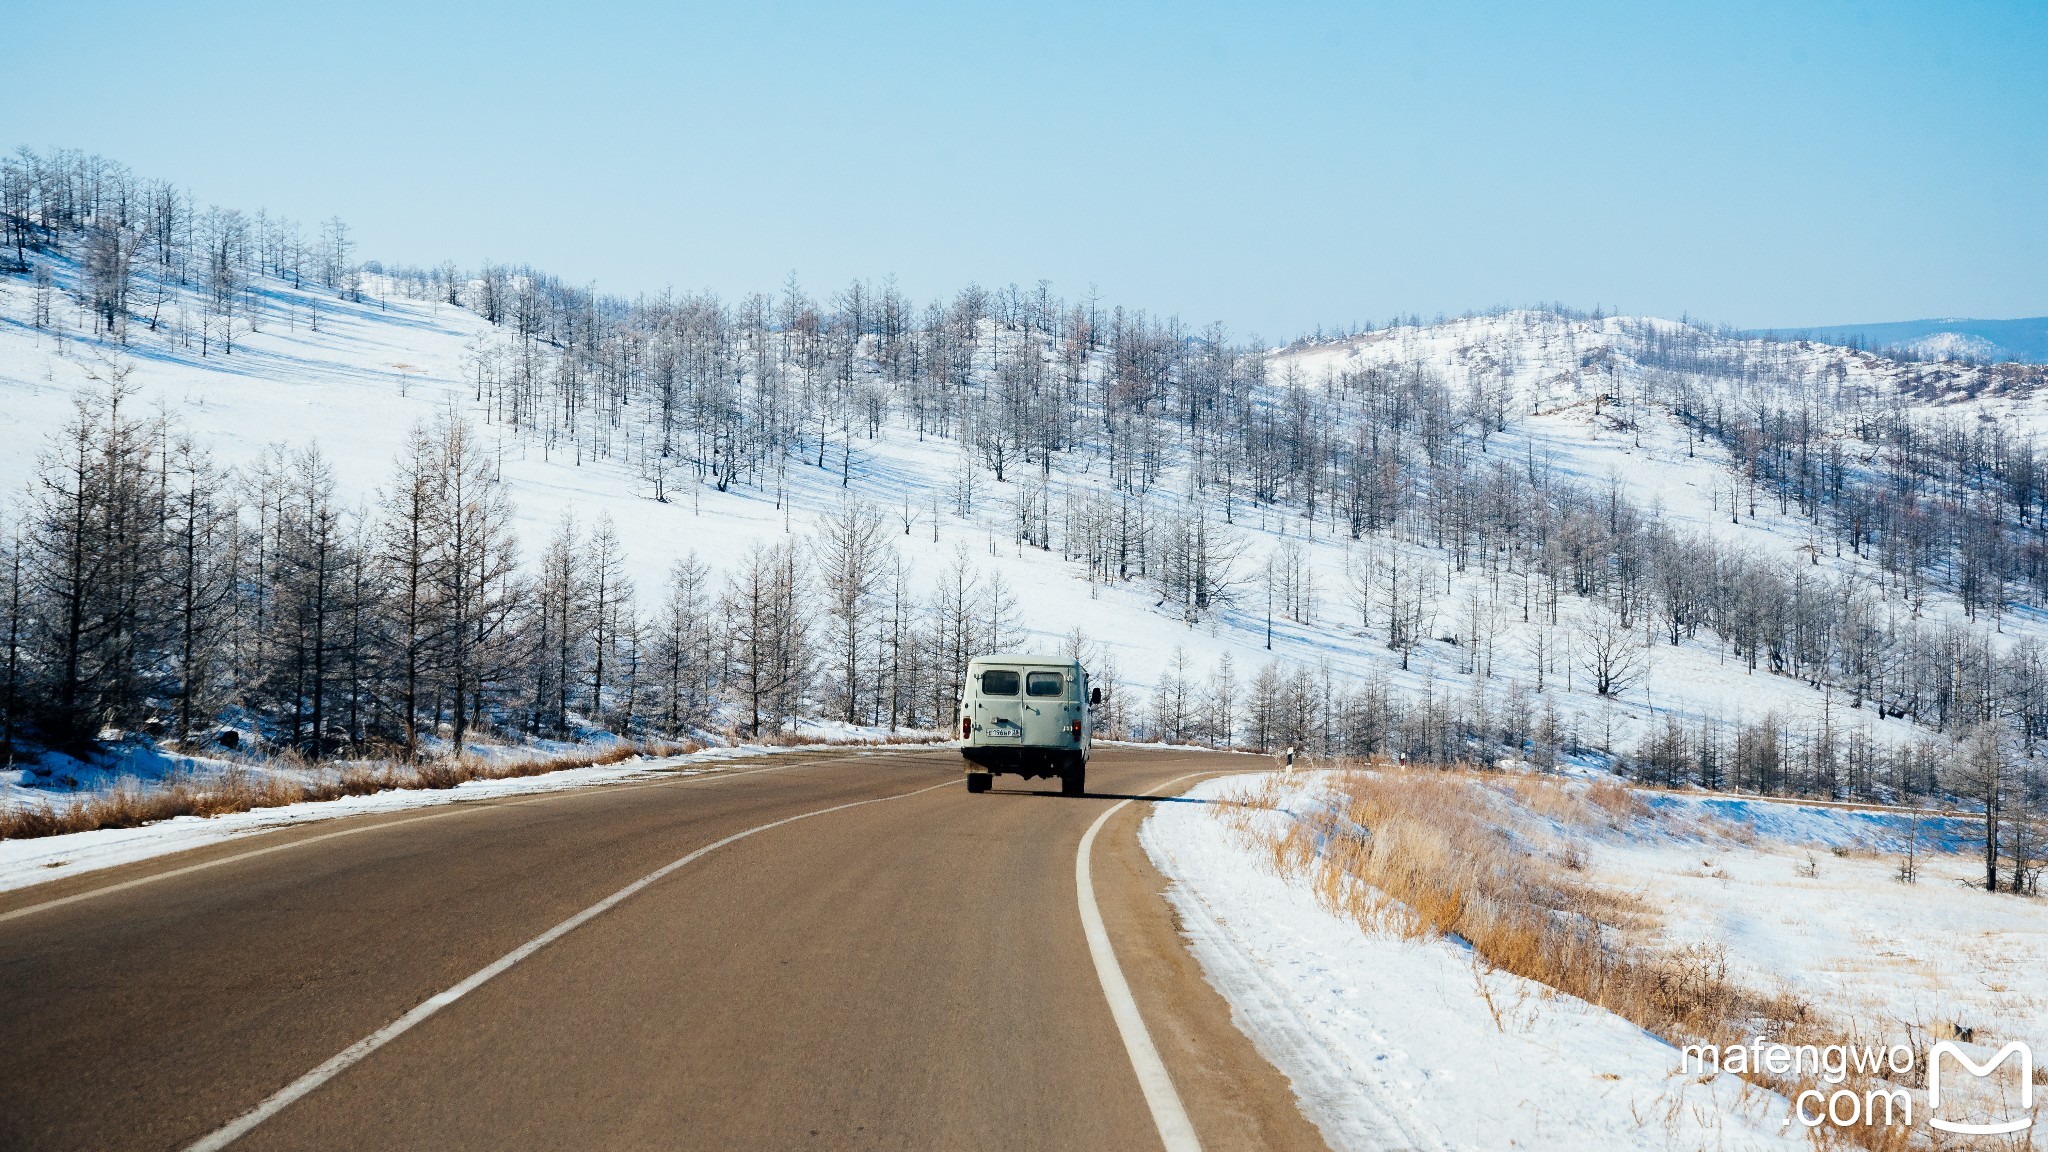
column 1395, row 1044
column 43, row 858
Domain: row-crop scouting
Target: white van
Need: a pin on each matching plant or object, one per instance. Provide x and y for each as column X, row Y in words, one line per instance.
column 1029, row 715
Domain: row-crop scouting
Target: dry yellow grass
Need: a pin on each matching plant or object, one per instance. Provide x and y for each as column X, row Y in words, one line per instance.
column 1424, row 852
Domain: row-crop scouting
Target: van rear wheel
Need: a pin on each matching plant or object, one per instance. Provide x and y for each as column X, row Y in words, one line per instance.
column 1074, row 782
column 979, row 781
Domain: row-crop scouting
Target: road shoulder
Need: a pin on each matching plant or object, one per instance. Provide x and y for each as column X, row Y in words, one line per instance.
column 1235, row 1098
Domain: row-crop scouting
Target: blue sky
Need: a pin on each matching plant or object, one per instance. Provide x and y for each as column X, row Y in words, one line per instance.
column 1275, row 167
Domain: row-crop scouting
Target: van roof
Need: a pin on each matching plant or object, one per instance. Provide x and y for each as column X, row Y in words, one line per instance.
column 1024, row 658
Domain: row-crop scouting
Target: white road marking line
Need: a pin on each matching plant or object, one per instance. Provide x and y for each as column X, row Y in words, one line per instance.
column 1176, row 1132
column 454, row 808
column 354, row 1053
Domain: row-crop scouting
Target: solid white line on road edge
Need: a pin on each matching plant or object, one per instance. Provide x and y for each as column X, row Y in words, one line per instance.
column 354, row 1053
column 1175, row 1130
column 455, row 807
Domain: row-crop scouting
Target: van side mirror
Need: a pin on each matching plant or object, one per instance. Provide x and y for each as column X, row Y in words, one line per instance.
column 1095, row 695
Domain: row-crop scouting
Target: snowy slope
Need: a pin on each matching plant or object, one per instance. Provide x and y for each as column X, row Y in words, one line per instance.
column 1392, row 1044
column 1584, row 401
column 373, row 370
column 1397, row 1043
column 1810, row 899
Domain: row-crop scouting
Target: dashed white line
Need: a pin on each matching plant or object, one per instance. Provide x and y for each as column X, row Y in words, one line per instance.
column 354, row 1053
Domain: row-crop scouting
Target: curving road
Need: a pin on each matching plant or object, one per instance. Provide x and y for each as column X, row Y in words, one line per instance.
column 865, row 957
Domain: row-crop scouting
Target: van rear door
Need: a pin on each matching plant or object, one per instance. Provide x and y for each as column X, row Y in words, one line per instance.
column 998, row 705
column 1046, row 693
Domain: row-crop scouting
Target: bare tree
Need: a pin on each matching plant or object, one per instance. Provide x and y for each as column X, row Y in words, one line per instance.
column 1200, row 568
column 109, row 271
column 472, row 568
column 610, row 606
column 685, row 644
column 1985, row 776
column 1610, row 652
column 199, row 532
column 13, row 639
column 1220, row 703
column 1173, row 700
column 1408, row 599
column 405, row 546
column 767, row 637
column 850, row 548
column 310, row 586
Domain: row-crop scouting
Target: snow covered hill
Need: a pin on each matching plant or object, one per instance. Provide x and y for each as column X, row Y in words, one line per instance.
column 1268, row 578
column 1953, row 338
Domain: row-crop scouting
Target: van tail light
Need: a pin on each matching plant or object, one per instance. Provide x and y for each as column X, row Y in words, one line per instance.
column 966, row 727
column 1077, row 729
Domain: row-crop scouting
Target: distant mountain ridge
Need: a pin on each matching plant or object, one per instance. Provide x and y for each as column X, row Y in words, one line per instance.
column 1952, row 338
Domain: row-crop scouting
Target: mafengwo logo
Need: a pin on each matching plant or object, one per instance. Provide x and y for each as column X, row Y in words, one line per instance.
column 1980, row 1071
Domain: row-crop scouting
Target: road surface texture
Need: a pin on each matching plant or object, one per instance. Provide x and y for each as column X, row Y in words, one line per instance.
column 910, row 972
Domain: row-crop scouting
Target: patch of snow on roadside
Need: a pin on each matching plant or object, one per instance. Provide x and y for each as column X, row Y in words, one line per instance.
column 1392, row 1044
column 26, row 862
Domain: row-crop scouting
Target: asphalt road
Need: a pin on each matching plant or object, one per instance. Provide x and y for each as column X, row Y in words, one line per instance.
column 910, row 972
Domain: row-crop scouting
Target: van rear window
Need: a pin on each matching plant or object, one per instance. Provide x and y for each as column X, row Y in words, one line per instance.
column 998, row 682
column 1044, row 684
